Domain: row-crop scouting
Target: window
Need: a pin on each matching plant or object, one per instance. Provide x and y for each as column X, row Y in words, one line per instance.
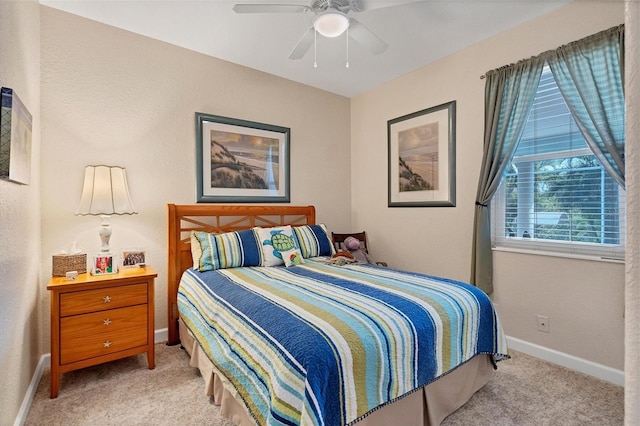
column 556, row 197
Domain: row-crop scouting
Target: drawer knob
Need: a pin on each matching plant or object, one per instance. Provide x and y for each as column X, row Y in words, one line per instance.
column 107, row 344
column 106, row 299
column 106, row 322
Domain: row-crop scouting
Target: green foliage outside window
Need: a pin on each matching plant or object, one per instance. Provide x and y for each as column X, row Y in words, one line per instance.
column 571, row 194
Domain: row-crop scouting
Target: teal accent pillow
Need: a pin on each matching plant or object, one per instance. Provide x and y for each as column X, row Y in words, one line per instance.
column 314, row 241
column 227, row 250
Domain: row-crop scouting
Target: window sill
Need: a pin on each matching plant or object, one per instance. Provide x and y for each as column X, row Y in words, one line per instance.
column 560, row 254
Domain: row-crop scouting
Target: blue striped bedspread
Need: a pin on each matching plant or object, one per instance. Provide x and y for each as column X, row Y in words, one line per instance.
column 318, row 344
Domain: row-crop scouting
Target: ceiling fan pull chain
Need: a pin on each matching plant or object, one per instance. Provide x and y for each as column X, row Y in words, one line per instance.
column 347, row 65
column 315, row 48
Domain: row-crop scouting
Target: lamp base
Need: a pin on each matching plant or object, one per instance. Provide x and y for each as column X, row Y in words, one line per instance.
column 105, row 233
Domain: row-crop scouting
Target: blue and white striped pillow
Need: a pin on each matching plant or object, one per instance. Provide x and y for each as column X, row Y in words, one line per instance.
column 227, row 250
column 314, row 240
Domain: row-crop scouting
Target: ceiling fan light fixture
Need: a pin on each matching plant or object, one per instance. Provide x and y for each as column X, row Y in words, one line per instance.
column 331, row 23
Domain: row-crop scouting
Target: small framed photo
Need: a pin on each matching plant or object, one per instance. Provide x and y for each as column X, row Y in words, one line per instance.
column 133, row 258
column 104, row 264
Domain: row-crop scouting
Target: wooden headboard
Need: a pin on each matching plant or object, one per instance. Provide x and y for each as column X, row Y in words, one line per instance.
column 216, row 218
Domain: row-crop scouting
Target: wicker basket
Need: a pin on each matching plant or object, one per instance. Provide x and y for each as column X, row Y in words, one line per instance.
column 63, row 263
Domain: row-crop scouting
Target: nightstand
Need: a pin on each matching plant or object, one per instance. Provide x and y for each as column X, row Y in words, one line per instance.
column 96, row 319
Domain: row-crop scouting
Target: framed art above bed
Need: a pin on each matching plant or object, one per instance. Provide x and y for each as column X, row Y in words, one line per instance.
column 239, row 161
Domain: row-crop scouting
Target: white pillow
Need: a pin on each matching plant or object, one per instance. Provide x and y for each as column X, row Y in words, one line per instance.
column 274, row 241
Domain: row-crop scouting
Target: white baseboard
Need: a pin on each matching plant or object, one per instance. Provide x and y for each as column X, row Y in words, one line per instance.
column 161, row 335
column 600, row 371
column 45, row 361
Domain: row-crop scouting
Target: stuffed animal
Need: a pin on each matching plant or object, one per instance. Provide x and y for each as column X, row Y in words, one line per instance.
column 352, row 245
column 343, row 253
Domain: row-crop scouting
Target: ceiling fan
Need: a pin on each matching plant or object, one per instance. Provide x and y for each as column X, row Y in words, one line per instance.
column 331, row 20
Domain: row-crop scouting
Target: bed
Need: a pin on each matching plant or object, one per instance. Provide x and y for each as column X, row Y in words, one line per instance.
column 315, row 342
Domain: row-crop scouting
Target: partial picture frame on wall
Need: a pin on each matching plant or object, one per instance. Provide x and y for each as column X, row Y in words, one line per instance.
column 15, row 138
column 240, row 161
column 422, row 158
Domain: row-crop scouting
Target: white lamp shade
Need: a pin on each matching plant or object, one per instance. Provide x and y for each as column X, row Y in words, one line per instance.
column 331, row 23
column 105, row 192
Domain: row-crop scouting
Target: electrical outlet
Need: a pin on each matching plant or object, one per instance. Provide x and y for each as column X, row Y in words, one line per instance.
column 543, row 324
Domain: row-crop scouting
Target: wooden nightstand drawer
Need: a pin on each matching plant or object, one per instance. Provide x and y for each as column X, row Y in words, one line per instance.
column 102, row 299
column 91, row 335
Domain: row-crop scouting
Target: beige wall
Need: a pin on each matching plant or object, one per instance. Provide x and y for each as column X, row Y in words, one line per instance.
column 20, row 292
column 112, row 97
column 583, row 299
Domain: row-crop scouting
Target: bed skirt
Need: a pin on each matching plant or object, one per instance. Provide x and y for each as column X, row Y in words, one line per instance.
column 427, row 407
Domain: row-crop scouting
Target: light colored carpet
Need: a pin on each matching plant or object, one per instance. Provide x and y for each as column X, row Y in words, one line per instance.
column 524, row 391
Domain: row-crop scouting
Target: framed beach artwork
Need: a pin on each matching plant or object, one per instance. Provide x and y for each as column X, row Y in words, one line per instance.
column 422, row 158
column 241, row 161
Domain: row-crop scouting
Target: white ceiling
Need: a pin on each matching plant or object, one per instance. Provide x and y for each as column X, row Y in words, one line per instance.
column 417, row 32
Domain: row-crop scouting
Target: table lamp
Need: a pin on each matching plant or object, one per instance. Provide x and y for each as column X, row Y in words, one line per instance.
column 105, row 192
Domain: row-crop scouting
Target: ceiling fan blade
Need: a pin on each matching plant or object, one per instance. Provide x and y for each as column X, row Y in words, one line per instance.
column 361, row 5
column 303, row 45
column 366, row 38
column 270, row 8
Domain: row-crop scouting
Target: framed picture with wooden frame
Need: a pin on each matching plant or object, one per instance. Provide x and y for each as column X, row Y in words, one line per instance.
column 241, row 161
column 422, row 158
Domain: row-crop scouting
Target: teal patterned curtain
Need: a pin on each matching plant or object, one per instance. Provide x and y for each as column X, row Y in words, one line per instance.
column 509, row 94
column 590, row 76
